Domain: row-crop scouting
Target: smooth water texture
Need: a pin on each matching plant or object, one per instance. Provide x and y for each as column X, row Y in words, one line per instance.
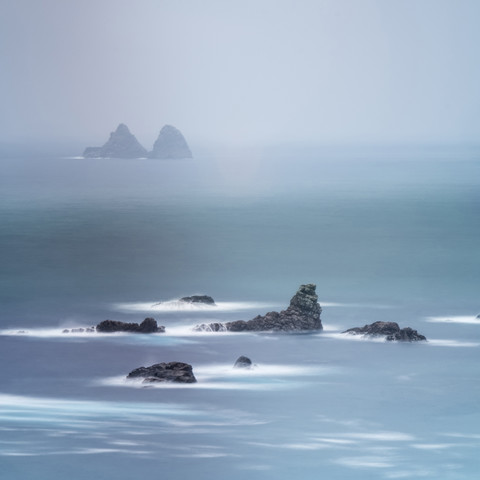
column 385, row 234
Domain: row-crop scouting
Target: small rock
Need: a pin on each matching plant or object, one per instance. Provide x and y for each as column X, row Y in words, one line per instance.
column 178, row 372
column 207, row 300
column 243, row 362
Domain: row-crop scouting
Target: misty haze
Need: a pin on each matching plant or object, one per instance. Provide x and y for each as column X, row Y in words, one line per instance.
column 239, row 239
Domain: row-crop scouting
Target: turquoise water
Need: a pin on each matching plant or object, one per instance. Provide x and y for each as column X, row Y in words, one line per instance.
column 385, row 234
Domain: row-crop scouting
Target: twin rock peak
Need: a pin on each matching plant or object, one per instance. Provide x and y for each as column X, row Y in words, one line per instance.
column 123, row 144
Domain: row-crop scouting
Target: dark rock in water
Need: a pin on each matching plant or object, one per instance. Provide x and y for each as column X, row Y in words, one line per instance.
column 199, row 299
column 478, row 316
column 390, row 330
column 149, row 325
column 303, row 314
column 170, row 144
column 165, row 372
column 243, row 362
column 121, row 144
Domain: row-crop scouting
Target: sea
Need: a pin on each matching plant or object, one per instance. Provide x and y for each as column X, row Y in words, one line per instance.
column 385, row 233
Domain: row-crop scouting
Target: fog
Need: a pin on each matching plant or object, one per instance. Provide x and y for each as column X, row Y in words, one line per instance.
column 246, row 73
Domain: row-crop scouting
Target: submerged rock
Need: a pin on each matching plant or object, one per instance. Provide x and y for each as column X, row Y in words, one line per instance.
column 390, row 330
column 170, row 144
column 210, row 327
column 165, row 372
column 303, row 314
column 121, row 144
column 149, row 325
column 243, row 362
column 207, row 300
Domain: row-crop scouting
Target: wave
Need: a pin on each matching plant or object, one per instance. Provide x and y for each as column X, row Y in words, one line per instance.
column 470, row 320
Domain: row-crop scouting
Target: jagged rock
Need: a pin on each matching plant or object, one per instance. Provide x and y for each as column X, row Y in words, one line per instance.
column 149, row 325
column 390, row 330
column 303, row 314
column 121, row 144
column 170, row 144
column 199, row 299
column 210, row 327
column 165, row 372
column 243, row 362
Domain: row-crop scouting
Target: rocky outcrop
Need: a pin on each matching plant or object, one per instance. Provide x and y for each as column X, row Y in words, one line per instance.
column 390, row 330
column 170, row 144
column 243, row 362
column 210, row 327
column 165, row 372
column 205, row 299
column 303, row 314
column 121, row 144
column 149, row 325
column 79, row 330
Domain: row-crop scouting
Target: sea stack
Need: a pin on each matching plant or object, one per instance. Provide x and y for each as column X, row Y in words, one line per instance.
column 303, row 314
column 121, row 144
column 170, row 144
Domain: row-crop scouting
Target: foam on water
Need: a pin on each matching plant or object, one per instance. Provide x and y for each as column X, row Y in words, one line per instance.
column 226, row 377
column 178, row 306
column 470, row 320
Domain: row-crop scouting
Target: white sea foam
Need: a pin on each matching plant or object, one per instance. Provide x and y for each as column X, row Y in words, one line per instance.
column 450, row 343
column 178, row 306
column 352, row 337
column 365, row 462
column 226, row 377
column 470, row 319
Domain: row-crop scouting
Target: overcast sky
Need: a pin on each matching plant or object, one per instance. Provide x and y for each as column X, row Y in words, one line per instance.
column 241, row 72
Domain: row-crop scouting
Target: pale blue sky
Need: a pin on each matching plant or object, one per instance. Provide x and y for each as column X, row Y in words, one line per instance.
column 241, row 72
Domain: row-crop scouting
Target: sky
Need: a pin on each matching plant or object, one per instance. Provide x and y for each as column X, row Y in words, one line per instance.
column 241, row 73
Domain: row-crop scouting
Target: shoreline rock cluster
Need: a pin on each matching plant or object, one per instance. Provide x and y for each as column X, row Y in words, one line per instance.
column 170, row 144
column 390, row 330
column 149, row 325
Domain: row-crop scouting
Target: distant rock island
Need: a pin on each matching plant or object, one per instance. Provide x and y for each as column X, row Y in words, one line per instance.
column 170, row 144
column 303, row 314
column 123, row 144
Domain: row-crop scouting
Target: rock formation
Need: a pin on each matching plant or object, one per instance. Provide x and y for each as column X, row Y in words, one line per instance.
column 243, row 362
column 149, row 325
column 165, row 372
column 170, row 144
column 390, row 330
column 199, row 299
column 303, row 314
column 121, row 144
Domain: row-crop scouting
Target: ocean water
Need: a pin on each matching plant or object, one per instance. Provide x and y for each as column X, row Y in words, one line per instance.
column 385, row 234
